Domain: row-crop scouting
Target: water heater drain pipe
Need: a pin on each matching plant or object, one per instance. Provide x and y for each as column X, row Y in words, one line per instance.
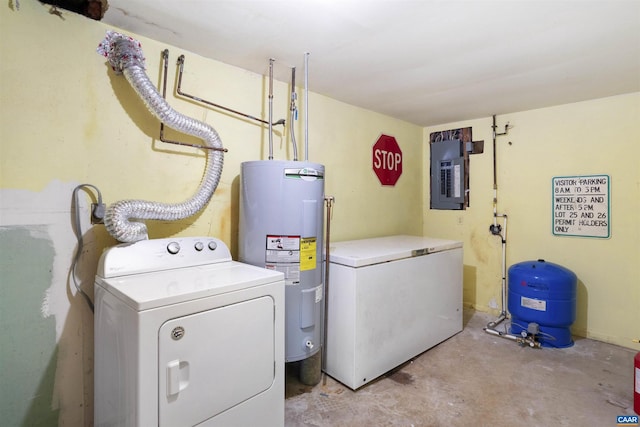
column 125, row 56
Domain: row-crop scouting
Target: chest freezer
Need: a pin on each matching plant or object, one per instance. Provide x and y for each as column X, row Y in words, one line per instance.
column 389, row 299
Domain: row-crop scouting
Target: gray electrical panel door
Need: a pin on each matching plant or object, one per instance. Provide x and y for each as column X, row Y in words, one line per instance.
column 447, row 175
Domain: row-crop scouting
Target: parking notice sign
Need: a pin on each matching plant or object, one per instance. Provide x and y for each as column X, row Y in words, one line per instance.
column 581, row 206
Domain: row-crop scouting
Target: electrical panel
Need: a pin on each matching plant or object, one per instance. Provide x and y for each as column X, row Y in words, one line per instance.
column 448, row 183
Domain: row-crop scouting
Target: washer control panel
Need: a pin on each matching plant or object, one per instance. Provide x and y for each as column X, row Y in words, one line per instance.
column 173, row 247
column 161, row 254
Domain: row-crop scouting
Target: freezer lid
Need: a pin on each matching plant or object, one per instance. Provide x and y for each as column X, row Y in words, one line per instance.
column 360, row 253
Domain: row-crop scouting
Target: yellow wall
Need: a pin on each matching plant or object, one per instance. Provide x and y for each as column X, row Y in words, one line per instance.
column 67, row 119
column 588, row 138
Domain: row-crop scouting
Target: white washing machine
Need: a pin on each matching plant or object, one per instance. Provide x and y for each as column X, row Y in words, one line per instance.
column 186, row 336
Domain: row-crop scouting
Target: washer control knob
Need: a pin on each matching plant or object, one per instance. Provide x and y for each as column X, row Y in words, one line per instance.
column 213, row 245
column 199, row 246
column 173, row 248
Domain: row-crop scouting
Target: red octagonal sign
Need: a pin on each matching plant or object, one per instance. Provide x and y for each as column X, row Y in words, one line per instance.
column 387, row 160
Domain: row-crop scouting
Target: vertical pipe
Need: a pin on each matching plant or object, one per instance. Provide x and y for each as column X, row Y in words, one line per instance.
column 495, row 179
column 306, row 106
column 495, row 175
column 165, row 60
column 497, row 230
column 329, row 202
column 503, row 236
column 503, row 295
column 271, row 108
column 293, row 113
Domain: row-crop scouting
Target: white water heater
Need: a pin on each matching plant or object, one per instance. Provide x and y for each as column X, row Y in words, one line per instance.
column 280, row 228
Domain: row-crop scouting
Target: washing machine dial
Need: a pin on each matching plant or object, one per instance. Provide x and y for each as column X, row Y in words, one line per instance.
column 213, row 245
column 199, row 246
column 173, row 248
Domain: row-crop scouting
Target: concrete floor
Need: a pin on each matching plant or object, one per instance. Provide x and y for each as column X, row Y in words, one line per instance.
column 478, row 379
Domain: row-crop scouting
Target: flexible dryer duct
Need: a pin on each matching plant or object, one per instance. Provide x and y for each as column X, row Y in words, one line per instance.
column 125, row 56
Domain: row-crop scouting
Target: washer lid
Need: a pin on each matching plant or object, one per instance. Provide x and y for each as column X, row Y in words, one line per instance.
column 156, row 289
column 360, row 253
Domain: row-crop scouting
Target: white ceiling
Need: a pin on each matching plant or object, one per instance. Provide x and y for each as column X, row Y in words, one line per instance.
column 427, row 62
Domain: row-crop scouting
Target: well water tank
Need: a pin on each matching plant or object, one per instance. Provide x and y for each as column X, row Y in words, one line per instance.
column 543, row 293
column 280, row 228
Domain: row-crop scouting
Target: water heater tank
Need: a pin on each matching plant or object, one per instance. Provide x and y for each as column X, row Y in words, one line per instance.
column 543, row 293
column 280, row 228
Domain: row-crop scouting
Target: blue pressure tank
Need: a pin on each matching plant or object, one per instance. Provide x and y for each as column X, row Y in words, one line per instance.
column 543, row 293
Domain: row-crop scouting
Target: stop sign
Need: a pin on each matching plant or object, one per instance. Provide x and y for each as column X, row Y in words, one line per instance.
column 387, row 160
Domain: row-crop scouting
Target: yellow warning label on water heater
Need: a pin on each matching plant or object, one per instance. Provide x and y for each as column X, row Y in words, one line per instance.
column 307, row 253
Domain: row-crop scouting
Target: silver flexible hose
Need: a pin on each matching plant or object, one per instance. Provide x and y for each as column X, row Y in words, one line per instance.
column 126, row 57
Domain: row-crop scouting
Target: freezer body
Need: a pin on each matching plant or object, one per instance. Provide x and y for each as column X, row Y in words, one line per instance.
column 389, row 300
